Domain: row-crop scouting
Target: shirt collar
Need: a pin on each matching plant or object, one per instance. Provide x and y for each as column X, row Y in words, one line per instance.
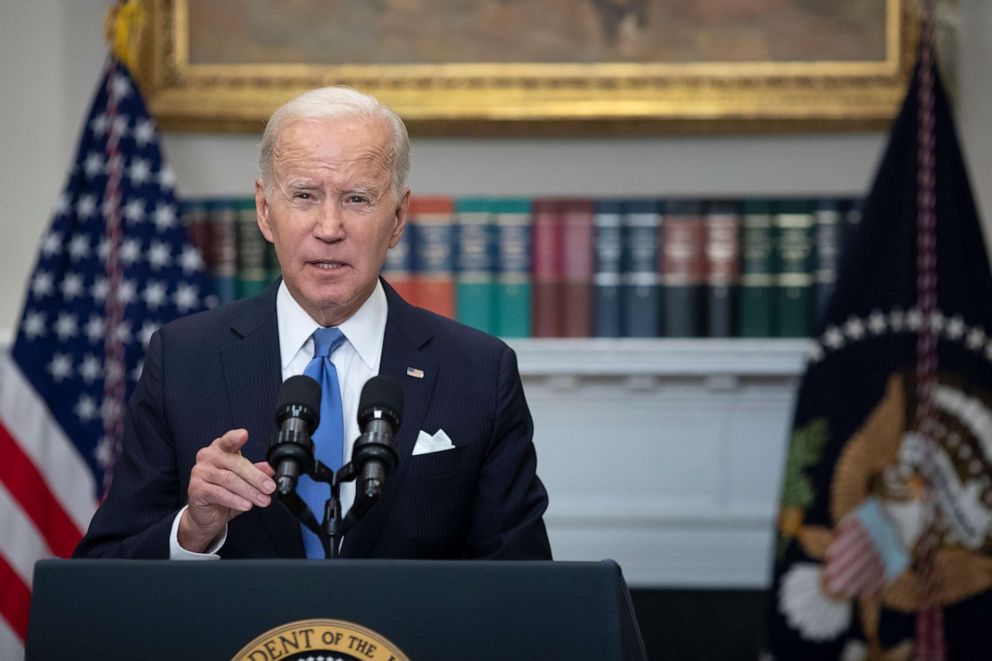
column 364, row 330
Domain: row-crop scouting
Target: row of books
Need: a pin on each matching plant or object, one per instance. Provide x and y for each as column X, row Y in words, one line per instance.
column 239, row 261
column 569, row 267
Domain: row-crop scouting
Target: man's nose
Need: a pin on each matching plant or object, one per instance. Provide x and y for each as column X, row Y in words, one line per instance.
column 330, row 222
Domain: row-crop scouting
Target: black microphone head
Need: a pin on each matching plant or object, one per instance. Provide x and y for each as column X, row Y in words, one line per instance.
column 299, row 397
column 382, row 397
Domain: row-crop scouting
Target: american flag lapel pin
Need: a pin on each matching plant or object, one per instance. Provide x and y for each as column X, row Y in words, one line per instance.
column 414, row 372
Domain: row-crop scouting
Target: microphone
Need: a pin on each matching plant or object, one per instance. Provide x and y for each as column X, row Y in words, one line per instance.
column 374, row 455
column 297, row 415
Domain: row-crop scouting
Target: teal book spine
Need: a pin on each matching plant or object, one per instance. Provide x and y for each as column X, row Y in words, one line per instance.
column 475, row 277
column 514, row 293
column 253, row 271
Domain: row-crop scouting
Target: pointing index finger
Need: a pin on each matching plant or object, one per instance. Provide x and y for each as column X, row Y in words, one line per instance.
column 232, row 441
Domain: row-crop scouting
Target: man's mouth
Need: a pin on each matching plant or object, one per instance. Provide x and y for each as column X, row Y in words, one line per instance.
column 327, row 266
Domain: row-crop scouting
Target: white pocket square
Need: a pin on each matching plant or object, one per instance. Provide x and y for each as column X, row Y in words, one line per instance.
column 426, row 443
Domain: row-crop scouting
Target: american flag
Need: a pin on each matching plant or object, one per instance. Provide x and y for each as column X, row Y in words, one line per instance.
column 114, row 265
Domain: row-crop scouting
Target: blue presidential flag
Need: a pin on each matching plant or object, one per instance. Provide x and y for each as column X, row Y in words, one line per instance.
column 115, row 264
column 884, row 545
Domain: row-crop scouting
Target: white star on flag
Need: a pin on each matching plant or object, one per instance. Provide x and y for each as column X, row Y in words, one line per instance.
column 186, row 297
column 139, row 171
column 41, row 284
column 144, row 131
column 99, row 289
column 66, row 326
column 86, row 408
column 60, row 367
column 135, row 210
column 155, row 294
column 126, row 292
column 72, row 286
column 89, row 369
column 130, row 251
column 158, row 255
column 79, row 247
column 190, row 260
column 165, row 217
column 34, row 325
column 94, row 328
column 51, row 245
column 86, row 206
column 93, row 165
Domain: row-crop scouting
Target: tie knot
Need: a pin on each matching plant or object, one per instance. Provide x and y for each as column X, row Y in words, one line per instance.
column 325, row 341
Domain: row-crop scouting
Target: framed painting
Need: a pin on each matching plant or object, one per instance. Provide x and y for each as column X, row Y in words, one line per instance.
column 454, row 67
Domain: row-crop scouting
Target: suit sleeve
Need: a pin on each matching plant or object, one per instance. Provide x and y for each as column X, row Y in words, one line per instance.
column 510, row 499
column 135, row 519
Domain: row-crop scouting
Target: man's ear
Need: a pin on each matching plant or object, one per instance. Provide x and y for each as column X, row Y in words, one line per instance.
column 262, row 210
column 399, row 218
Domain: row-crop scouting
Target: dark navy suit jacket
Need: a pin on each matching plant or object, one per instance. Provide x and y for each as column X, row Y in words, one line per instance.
column 220, row 370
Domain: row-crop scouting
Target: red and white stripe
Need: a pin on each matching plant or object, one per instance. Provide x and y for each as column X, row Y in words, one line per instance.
column 853, row 566
column 47, row 497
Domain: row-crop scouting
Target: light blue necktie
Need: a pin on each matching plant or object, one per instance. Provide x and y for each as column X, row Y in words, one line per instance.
column 328, row 439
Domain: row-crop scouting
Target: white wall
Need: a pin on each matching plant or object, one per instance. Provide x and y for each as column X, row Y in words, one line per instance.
column 50, row 57
column 51, row 52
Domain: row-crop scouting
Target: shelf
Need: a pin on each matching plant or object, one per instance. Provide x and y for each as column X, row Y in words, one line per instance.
column 673, row 357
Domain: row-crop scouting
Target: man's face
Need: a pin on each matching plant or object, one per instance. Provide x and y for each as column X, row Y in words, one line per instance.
column 331, row 212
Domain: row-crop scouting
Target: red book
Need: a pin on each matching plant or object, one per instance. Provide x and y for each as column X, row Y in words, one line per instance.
column 683, row 268
column 577, row 267
column 548, row 272
column 432, row 222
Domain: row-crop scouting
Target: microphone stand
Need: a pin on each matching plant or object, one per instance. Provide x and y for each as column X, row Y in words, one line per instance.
column 334, row 527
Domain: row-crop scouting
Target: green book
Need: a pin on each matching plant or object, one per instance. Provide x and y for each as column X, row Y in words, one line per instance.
column 475, row 278
column 794, row 291
column 253, row 272
column 223, row 218
column 756, row 310
column 513, row 267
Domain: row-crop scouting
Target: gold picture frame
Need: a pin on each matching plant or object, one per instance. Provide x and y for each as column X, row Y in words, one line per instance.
column 542, row 98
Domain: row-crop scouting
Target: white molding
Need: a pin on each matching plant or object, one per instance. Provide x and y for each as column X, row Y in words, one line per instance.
column 662, row 356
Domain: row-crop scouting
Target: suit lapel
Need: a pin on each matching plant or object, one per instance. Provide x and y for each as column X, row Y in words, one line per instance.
column 253, row 374
column 403, row 347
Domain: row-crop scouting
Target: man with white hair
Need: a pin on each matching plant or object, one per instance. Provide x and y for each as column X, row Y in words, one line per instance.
column 192, row 481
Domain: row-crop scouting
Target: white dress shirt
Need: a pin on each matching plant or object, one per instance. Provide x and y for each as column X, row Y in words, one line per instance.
column 356, row 359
